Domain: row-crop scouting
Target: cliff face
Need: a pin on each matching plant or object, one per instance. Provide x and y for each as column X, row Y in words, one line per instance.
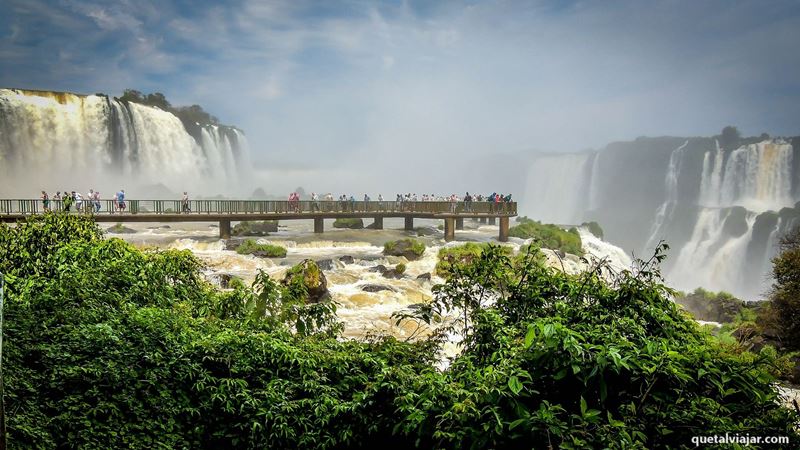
column 720, row 209
column 63, row 137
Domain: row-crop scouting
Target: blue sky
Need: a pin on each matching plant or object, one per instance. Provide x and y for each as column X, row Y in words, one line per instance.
column 322, row 86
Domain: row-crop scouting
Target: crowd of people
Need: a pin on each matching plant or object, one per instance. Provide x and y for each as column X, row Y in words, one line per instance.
column 89, row 203
column 403, row 202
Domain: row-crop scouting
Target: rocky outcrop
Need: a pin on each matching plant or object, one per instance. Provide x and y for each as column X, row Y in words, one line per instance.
column 411, row 249
column 120, row 229
column 350, row 223
column 256, row 228
column 308, row 276
column 377, row 288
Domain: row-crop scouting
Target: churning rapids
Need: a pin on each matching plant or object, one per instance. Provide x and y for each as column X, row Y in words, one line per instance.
column 362, row 312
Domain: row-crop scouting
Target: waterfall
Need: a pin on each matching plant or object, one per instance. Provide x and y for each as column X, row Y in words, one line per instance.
column 555, row 188
column 713, row 259
column 665, row 211
column 756, row 176
column 51, row 140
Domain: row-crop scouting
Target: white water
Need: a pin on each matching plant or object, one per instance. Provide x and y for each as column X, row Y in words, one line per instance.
column 52, row 140
column 362, row 312
column 711, row 259
column 554, row 189
column 756, row 176
column 666, row 210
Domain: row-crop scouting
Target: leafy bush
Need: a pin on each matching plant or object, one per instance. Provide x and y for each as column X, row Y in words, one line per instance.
column 461, row 254
column 780, row 318
column 549, row 236
column 400, row 268
column 251, row 247
column 580, row 363
column 107, row 346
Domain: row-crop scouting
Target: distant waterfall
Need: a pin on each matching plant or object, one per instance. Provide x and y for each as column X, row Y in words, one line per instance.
column 556, row 186
column 51, row 140
column 756, row 176
column 713, row 258
column 665, row 211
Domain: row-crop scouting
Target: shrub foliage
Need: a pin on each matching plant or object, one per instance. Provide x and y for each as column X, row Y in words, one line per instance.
column 107, row 346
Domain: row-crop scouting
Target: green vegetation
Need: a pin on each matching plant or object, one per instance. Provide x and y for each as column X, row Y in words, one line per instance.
column 400, row 268
column 411, row 249
column 191, row 114
column 548, row 236
column 715, row 307
column 462, row 254
column 255, row 228
column 780, row 319
column 251, row 247
column 594, row 228
column 351, row 223
column 107, row 346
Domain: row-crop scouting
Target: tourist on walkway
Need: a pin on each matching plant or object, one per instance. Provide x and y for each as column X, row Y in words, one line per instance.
column 45, row 201
column 185, row 203
column 96, row 200
column 120, row 201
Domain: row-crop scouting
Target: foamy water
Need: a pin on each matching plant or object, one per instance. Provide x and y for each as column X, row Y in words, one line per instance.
column 361, row 312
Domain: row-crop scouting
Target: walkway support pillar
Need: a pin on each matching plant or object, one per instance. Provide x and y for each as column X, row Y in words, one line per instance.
column 481, row 219
column 409, row 223
column 224, row 229
column 378, row 223
column 492, row 220
column 459, row 223
column 503, row 229
column 449, row 229
column 319, row 225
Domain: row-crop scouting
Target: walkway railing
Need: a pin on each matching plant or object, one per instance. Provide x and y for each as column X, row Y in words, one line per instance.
column 195, row 207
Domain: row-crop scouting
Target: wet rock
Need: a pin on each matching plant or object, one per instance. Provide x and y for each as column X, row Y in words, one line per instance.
column 351, row 223
column 120, row 229
column 233, row 244
column 377, row 288
column 380, row 268
column 347, row 259
column 424, row 277
column 325, row 264
column 213, row 226
column 392, row 274
column 308, row 274
column 255, row 228
column 411, row 249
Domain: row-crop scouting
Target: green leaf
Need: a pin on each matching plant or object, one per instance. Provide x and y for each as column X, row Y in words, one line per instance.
column 514, row 384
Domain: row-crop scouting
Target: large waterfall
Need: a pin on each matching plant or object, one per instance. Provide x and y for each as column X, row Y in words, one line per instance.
column 55, row 141
column 722, row 210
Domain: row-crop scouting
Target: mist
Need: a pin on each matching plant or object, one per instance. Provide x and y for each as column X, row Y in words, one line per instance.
column 356, row 97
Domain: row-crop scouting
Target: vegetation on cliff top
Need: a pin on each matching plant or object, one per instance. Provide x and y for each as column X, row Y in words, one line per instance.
column 548, row 235
column 107, row 346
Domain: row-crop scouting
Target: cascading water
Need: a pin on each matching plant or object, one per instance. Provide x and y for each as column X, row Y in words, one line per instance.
column 721, row 209
column 665, row 211
column 555, row 188
column 756, row 176
column 51, row 140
